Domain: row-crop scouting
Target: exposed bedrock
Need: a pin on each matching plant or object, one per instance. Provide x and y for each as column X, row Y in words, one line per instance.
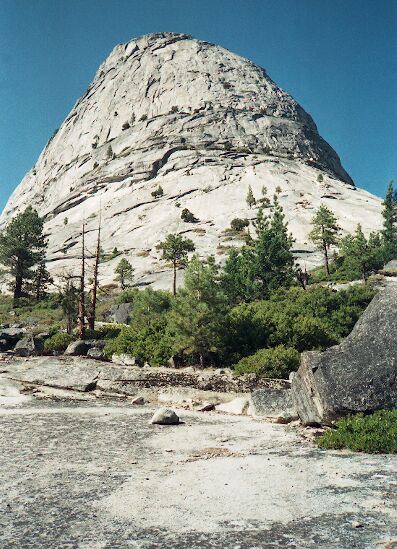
column 359, row 375
column 167, row 109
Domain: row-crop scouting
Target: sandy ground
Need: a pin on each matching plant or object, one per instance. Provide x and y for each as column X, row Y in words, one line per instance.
column 96, row 475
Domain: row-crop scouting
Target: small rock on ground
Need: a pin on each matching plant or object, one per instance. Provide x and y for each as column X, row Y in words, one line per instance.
column 165, row 416
column 138, row 401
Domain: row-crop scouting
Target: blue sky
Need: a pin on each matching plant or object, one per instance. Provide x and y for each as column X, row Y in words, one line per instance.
column 338, row 58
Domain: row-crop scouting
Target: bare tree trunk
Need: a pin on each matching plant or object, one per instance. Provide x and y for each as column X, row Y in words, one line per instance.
column 94, row 290
column 81, row 320
column 326, row 257
column 17, row 289
column 174, row 282
column 69, row 314
column 38, row 283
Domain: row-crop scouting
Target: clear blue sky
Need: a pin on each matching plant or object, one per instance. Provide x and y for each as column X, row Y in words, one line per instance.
column 338, row 58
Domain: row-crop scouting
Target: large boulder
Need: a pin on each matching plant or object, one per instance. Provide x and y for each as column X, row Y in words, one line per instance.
column 78, row 348
column 29, row 346
column 96, row 353
column 82, row 347
column 272, row 402
column 359, row 375
column 120, row 313
column 9, row 337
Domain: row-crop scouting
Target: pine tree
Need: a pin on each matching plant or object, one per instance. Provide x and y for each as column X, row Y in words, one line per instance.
column 325, row 232
column 69, row 301
column 95, row 283
column 272, row 247
column 81, row 315
column 124, row 272
column 360, row 254
column 389, row 232
column 199, row 312
column 265, row 263
column 250, row 199
column 238, row 277
column 40, row 282
column 175, row 248
column 22, row 246
column 264, row 200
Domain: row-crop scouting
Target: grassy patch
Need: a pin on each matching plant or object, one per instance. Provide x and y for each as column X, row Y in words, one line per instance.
column 374, row 434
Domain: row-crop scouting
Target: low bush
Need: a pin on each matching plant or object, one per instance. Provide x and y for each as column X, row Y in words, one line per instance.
column 128, row 295
column 305, row 320
column 238, row 224
column 57, row 343
column 375, row 433
column 107, row 331
column 188, row 216
column 151, row 343
column 277, row 362
column 157, row 193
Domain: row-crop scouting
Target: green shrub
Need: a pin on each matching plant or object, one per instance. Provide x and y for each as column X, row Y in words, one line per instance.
column 128, row 295
column 375, row 433
column 157, row 193
column 277, row 362
column 107, row 331
column 311, row 319
column 150, row 343
column 148, row 336
column 238, row 224
column 188, row 217
column 58, row 343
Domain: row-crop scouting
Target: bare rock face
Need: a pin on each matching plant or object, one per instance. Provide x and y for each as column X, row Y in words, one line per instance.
column 166, row 109
column 359, row 375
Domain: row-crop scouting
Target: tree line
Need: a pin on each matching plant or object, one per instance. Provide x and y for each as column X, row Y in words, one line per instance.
column 195, row 320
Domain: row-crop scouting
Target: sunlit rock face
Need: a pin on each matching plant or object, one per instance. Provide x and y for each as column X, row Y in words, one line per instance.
column 167, row 109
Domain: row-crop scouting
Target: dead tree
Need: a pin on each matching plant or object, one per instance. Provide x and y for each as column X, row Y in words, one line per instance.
column 81, row 319
column 68, row 298
column 302, row 277
column 94, row 289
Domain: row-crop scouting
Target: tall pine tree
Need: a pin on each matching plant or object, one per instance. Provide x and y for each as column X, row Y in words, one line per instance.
column 265, row 263
column 22, row 246
column 199, row 312
column 389, row 232
column 325, row 232
column 273, row 245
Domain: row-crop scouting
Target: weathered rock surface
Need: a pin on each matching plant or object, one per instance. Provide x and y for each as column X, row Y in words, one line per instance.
column 82, row 374
column 166, row 109
column 272, row 489
column 127, row 360
column 78, row 348
column 274, row 403
column 9, row 337
column 165, row 416
column 359, row 375
column 29, row 346
column 138, row 401
column 120, row 313
column 238, row 406
column 96, row 353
